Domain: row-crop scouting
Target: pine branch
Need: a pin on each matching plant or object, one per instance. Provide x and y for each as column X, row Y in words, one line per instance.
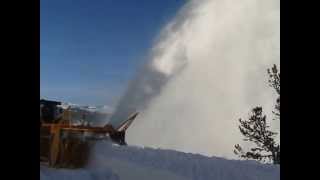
column 255, row 129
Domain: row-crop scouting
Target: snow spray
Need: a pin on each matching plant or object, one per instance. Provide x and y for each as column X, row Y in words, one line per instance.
column 207, row 69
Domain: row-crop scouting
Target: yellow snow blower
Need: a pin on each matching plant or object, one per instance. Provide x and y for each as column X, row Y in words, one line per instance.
column 64, row 144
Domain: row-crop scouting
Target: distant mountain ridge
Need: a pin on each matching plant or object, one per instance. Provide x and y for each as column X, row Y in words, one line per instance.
column 98, row 108
column 96, row 115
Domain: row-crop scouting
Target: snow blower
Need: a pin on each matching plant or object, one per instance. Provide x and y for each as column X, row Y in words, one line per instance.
column 64, row 144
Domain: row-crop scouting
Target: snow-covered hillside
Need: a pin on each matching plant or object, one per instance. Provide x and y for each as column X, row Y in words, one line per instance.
column 95, row 115
column 113, row 162
column 100, row 108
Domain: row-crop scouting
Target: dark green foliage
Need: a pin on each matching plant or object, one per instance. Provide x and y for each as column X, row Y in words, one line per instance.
column 274, row 82
column 256, row 130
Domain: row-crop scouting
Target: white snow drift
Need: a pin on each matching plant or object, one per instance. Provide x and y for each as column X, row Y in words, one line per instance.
column 112, row 162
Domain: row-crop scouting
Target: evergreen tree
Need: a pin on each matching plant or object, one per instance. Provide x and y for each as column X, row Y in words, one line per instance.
column 256, row 130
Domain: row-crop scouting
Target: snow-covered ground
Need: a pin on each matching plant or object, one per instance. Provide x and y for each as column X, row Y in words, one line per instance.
column 113, row 162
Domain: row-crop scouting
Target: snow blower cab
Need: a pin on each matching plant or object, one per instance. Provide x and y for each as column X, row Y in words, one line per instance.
column 66, row 144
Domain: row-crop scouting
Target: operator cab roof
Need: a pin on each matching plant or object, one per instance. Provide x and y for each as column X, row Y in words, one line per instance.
column 49, row 102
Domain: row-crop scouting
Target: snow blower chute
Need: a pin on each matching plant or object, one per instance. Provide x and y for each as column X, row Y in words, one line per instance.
column 64, row 144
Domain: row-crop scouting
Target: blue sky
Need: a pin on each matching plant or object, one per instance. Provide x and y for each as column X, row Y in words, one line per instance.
column 89, row 50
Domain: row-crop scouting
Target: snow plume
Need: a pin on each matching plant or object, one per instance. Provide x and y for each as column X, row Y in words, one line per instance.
column 167, row 58
column 207, row 69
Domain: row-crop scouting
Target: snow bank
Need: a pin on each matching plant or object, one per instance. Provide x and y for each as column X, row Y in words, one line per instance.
column 82, row 174
column 113, row 162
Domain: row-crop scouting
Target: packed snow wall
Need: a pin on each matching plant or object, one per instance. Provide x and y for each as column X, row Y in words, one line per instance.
column 113, row 162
